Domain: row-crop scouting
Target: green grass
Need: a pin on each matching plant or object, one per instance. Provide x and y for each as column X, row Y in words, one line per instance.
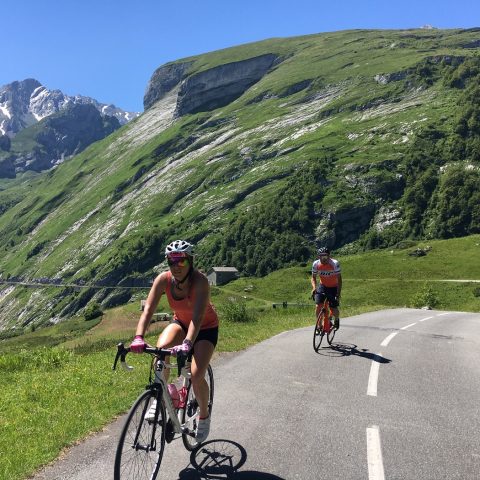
column 46, row 406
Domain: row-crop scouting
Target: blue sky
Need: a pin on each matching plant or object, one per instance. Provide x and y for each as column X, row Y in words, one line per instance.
column 108, row 49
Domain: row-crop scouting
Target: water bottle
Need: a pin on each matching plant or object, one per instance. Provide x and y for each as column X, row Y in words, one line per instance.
column 174, row 395
column 183, row 397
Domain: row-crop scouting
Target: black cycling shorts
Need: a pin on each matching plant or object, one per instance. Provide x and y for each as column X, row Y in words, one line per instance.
column 329, row 292
column 209, row 334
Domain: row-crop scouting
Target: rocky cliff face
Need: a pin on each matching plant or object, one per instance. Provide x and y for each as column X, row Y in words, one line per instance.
column 163, row 80
column 209, row 89
column 219, row 86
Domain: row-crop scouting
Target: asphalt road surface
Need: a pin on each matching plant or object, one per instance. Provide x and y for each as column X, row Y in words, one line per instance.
column 397, row 396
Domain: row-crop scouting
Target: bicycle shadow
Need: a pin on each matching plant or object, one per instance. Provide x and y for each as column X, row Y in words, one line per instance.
column 337, row 349
column 221, row 459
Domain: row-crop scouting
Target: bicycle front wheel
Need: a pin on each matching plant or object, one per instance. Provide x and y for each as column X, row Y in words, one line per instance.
column 191, row 412
column 318, row 332
column 331, row 334
column 142, row 442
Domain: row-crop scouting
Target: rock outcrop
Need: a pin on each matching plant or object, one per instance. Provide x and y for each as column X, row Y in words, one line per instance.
column 163, row 80
column 220, row 85
column 209, row 89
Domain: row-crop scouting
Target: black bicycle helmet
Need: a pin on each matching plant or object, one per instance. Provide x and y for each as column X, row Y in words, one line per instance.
column 323, row 251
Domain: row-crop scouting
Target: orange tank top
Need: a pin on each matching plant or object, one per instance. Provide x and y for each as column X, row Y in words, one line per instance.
column 183, row 309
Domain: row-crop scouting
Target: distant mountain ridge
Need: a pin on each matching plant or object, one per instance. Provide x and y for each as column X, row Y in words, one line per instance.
column 40, row 128
column 24, row 103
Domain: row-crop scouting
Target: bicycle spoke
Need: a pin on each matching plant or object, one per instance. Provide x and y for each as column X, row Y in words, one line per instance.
column 141, row 444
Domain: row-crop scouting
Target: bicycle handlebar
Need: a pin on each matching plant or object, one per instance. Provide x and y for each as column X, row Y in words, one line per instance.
column 161, row 353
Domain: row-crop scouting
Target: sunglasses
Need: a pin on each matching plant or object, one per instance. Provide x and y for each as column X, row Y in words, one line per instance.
column 323, row 257
column 180, row 262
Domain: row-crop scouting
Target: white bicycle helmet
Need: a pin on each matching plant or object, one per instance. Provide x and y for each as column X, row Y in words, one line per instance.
column 179, row 246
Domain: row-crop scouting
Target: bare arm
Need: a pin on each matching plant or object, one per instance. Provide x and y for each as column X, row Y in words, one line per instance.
column 156, row 292
column 339, row 287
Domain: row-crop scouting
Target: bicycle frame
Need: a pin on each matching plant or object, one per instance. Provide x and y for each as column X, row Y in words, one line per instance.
column 327, row 311
column 175, row 414
column 323, row 328
column 159, row 383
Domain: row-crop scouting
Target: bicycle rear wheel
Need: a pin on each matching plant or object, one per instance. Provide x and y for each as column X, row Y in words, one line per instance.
column 318, row 332
column 190, row 413
column 142, row 442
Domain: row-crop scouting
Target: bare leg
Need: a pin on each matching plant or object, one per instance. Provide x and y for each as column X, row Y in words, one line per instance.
column 201, row 358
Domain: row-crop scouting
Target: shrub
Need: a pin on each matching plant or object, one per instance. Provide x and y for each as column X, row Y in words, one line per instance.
column 427, row 297
column 92, row 310
column 235, row 310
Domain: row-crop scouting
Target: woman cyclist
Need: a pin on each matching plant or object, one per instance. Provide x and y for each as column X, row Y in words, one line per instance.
column 195, row 322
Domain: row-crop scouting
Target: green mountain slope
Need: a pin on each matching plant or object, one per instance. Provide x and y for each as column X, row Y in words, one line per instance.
column 256, row 153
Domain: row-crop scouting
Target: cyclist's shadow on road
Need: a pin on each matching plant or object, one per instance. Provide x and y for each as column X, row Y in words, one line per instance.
column 221, row 459
column 347, row 349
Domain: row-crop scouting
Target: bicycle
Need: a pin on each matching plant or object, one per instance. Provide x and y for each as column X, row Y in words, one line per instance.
column 142, row 441
column 323, row 325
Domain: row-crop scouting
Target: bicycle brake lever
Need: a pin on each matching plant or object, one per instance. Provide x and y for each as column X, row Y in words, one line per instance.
column 121, row 354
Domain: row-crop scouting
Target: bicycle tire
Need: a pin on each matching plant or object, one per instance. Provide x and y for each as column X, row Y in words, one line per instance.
column 142, row 442
column 190, row 413
column 331, row 334
column 318, row 332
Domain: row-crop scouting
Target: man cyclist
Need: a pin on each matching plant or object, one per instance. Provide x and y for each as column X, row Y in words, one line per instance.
column 195, row 322
column 328, row 271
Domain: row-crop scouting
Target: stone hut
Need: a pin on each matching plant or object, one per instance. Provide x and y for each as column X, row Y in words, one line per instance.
column 221, row 275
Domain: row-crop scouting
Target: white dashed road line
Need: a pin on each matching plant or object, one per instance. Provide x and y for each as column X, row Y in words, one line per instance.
column 373, row 378
column 374, row 454
column 374, row 451
column 387, row 340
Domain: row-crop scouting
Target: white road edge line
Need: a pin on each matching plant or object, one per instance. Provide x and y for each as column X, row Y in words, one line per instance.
column 374, row 454
column 441, row 314
column 408, row 326
column 387, row 340
column 373, row 378
column 426, row 318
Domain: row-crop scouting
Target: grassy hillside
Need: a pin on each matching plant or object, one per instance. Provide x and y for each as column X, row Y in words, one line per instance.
column 344, row 141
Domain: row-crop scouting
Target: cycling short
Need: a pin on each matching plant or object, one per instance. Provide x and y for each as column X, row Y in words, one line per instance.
column 209, row 334
column 329, row 292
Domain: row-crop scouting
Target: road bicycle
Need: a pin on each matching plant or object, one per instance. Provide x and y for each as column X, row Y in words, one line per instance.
column 323, row 325
column 154, row 419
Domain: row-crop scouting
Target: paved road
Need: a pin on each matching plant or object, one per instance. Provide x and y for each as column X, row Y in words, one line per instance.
column 397, row 397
